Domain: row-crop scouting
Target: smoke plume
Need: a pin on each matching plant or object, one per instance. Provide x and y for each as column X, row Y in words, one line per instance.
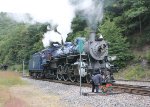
column 92, row 11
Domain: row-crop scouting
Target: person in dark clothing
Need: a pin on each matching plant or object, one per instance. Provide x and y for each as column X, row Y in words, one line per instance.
column 5, row 67
column 96, row 81
column 93, row 86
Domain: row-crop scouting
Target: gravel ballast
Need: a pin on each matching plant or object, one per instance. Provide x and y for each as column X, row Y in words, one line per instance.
column 70, row 96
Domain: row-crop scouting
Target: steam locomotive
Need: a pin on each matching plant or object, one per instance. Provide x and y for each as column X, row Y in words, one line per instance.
column 72, row 60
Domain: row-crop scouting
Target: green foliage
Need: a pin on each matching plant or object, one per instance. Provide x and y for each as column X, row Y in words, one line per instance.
column 16, row 67
column 133, row 14
column 137, row 8
column 78, row 24
column 148, row 56
column 79, row 27
column 83, row 33
column 6, row 24
column 135, row 72
column 146, row 36
column 10, row 79
column 117, row 43
column 132, row 20
column 19, row 40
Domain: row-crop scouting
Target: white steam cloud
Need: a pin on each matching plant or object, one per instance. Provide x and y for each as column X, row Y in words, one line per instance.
column 92, row 11
column 21, row 17
column 59, row 12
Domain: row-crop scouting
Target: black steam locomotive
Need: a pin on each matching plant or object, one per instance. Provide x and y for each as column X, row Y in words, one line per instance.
column 70, row 60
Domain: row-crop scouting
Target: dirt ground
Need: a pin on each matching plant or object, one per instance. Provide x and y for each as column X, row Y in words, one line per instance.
column 27, row 96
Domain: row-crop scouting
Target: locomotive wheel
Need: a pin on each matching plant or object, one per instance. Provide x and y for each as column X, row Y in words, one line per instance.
column 34, row 75
column 72, row 78
column 78, row 79
column 41, row 75
column 88, row 78
column 59, row 72
column 30, row 74
column 65, row 76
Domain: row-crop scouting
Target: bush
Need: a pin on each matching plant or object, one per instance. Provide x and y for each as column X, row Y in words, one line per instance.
column 118, row 44
column 136, row 72
column 17, row 68
column 148, row 56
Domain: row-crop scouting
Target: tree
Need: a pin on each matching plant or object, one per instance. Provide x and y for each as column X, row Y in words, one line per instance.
column 78, row 26
column 118, row 44
column 130, row 15
column 19, row 40
column 135, row 13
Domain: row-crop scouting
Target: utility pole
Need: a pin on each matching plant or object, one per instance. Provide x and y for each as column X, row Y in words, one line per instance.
column 80, row 75
column 80, row 50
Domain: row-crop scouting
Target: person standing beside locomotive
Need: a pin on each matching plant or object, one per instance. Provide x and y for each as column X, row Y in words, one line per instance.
column 96, row 81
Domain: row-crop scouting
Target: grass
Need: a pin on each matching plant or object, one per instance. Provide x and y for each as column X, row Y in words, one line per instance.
column 13, row 91
column 133, row 73
column 5, row 95
column 8, row 78
column 137, row 71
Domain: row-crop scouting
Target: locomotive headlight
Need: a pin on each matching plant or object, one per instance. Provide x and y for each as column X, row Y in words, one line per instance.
column 107, row 65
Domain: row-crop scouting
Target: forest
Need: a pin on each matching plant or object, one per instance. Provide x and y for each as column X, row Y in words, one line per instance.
column 125, row 26
column 19, row 40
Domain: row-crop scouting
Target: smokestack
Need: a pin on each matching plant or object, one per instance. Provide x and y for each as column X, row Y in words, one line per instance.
column 92, row 36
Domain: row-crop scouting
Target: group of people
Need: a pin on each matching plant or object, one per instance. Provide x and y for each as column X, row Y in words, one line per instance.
column 96, row 80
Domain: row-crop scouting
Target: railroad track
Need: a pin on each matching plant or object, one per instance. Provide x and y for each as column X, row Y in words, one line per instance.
column 132, row 89
column 132, row 80
column 123, row 88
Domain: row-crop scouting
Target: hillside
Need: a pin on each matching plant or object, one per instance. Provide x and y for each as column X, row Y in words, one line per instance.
column 19, row 40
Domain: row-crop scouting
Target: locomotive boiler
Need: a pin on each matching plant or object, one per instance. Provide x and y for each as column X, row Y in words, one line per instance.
column 63, row 62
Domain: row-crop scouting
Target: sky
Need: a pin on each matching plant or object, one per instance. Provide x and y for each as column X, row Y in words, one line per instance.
column 59, row 12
